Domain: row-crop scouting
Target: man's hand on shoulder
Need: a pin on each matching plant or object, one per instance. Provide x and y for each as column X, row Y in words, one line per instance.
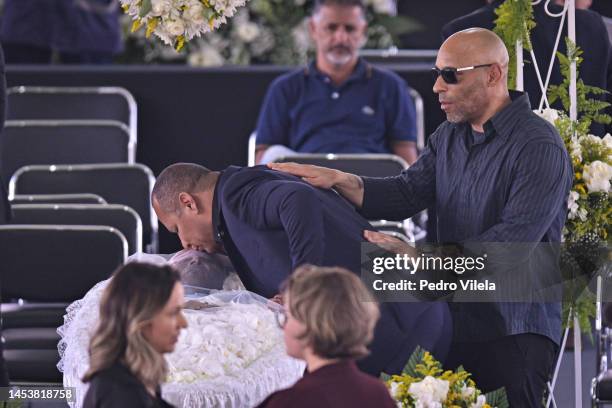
column 348, row 185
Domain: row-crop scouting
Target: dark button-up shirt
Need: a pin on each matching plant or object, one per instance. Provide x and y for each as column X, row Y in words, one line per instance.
column 510, row 186
column 305, row 111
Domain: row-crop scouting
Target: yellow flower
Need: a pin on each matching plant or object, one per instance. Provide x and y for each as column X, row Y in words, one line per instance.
column 180, row 42
column 136, row 25
column 151, row 25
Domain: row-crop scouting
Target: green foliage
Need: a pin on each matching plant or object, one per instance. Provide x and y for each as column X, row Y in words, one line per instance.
column 589, row 109
column 498, row 398
column 514, row 22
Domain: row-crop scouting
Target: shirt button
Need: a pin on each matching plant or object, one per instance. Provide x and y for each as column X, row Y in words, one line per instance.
column 335, row 95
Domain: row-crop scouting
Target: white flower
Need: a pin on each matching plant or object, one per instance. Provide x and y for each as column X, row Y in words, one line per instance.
column 582, row 214
column 607, row 140
column 174, row 27
column 551, row 115
column 247, row 31
column 194, row 13
column 429, row 392
column 480, row 401
column 597, row 176
column 467, row 392
column 576, row 150
column 394, row 389
column 572, row 204
column 383, row 6
column 160, row 7
column 206, row 56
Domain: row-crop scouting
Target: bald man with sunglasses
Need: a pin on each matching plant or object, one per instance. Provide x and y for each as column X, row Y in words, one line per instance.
column 496, row 172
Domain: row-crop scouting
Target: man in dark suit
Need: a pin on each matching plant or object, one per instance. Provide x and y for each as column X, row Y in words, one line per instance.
column 269, row 223
column 591, row 37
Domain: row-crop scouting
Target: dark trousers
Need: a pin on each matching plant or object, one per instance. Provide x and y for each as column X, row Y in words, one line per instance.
column 521, row 363
column 401, row 328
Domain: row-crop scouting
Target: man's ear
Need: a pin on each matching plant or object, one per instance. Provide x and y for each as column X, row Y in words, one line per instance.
column 496, row 74
column 188, row 202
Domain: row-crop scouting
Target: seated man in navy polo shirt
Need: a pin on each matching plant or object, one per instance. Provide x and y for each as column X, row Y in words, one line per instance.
column 339, row 103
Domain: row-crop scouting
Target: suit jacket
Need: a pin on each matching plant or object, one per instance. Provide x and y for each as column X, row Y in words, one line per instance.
column 271, row 222
column 591, row 36
column 334, row 386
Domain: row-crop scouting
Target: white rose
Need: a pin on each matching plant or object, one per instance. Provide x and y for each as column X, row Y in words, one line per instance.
column 550, row 115
column 480, row 401
column 174, row 27
column 247, row 32
column 597, row 176
column 384, row 7
column 430, row 390
column 160, row 7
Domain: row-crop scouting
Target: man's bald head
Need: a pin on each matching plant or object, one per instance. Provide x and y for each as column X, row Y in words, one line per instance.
column 180, row 178
column 475, row 46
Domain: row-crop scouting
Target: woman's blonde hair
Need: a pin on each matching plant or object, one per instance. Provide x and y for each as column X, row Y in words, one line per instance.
column 338, row 311
column 134, row 295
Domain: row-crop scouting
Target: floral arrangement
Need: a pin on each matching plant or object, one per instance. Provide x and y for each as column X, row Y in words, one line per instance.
column 424, row 384
column 177, row 21
column 264, row 32
column 588, row 229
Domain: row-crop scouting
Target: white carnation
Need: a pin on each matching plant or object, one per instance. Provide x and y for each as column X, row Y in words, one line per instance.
column 575, row 150
column 550, row 115
column 597, row 176
column 174, row 27
column 247, row 31
column 467, row 392
column 429, row 392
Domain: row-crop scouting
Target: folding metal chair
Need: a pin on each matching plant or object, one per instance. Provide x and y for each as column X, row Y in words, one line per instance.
column 64, row 142
column 45, row 267
column 72, row 103
column 85, row 198
column 127, row 184
column 369, row 165
column 118, row 216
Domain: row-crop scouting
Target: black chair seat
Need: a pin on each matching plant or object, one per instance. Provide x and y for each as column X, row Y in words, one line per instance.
column 28, row 338
column 604, row 386
column 33, row 365
column 32, row 315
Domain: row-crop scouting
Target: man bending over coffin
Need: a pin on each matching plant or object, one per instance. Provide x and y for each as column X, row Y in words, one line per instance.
column 269, row 223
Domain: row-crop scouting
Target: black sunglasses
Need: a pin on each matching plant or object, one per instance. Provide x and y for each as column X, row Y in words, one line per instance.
column 449, row 74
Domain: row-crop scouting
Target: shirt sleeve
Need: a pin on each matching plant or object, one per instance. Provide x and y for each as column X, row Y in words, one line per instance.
column 280, row 204
column 400, row 197
column 538, row 192
column 274, row 124
column 400, row 114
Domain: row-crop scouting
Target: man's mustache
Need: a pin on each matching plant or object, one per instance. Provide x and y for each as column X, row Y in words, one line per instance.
column 341, row 48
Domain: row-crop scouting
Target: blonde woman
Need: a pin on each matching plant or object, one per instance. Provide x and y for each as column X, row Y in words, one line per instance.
column 140, row 320
column 328, row 321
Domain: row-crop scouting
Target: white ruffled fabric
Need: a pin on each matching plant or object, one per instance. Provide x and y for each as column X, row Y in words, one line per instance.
column 229, row 356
